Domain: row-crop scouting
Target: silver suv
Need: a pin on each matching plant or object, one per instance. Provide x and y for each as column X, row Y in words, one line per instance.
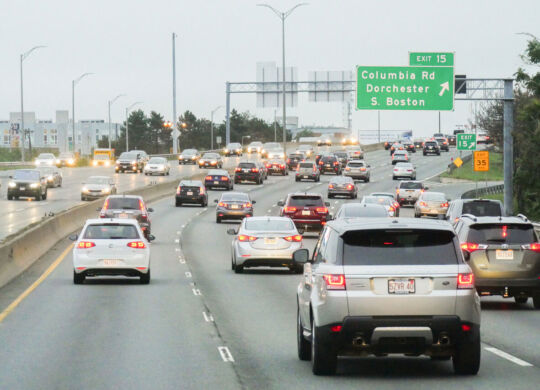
column 409, row 191
column 379, row 286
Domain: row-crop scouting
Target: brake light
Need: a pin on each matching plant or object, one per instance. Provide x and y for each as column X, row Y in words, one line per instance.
column 221, row 204
column 504, row 232
column 246, row 205
column 244, row 238
column 296, row 238
column 336, row 163
column 362, row 169
column 282, row 166
column 238, row 170
column 347, row 168
column 423, row 204
column 396, row 205
column 330, row 186
column 224, row 178
column 288, row 160
column 289, row 209
column 350, row 186
column 178, row 190
column 321, row 163
column 334, row 282
column 201, row 190
column 465, row 281
column 535, row 247
column 472, row 246
column 85, row 244
column 268, row 165
column 336, row 328
column 136, row 245
column 322, row 210
column 210, row 177
column 465, row 328
column 444, row 204
column 255, row 170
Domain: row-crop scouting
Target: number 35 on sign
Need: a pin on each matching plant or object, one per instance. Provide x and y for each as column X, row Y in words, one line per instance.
column 481, row 161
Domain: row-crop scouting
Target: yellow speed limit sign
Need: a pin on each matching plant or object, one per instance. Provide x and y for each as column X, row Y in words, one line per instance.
column 481, row 161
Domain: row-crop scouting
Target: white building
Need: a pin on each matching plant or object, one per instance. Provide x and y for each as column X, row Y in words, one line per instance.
column 56, row 134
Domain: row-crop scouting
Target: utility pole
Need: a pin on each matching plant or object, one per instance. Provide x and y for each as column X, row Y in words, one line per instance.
column 175, row 120
column 275, row 126
column 73, row 84
column 508, row 142
column 212, row 127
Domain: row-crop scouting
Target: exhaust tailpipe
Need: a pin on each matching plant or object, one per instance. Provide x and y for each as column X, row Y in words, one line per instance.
column 358, row 341
column 444, row 339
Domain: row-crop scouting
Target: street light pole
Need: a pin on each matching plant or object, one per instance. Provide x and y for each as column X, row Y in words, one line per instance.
column 21, row 130
column 283, row 16
column 212, row 127
column 73, row 84
column 127, row 123
column 175, row 120
column 245, row 136
column 111, row 102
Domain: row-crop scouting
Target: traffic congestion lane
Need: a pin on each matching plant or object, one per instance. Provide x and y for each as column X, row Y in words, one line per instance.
column 114, row 332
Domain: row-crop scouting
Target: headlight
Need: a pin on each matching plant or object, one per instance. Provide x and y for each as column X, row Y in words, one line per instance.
column 118, row 162
column 213, row 162
column 12, row 184
column 106, row 190
column 84, row 189
column 201, row 161
column 161, row 168
column 180, row 157
column 194, row 157
column 34, row 185
column 107, row 163
column 71, row 161
column 37, row 163
column 226, row 150
column 49, row 178
column 134, row 162
column 94, row 163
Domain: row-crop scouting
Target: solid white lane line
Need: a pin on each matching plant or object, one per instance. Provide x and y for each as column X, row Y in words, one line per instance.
column 178, row 232
column 196, row 291
column 181, row 261
column 188, row 274
column 226, row 354
column 507, row 356
column 208, row 317
column 177, row 241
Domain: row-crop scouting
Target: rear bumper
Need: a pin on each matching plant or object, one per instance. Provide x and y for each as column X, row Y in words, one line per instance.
column 356, row 175
column 246, row 177
column 306, row 177
column 341, row 192
column 233, row 214
column 127, row 271
column 223, row 184
column 507, row 287
column 190, row 199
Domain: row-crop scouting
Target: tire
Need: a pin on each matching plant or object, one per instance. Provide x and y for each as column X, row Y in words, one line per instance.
column 37, row 197
column 425, row 153
column 323, row 357
column 536, row 301
column 10, row 197
column 393, row 178
column 368, row 179
column 330, row 196
column 233, row 265
column 44, row 196
column 204, row 203
column 521, row 300
column 82, row 198
column 296, row 179
column 238, row 269
column 178, row 203
column 304, row 346
column 466, row 358
column 218, row 220
column 440, row 358
column 145, row 278
column 78, row 278
column 318, row 179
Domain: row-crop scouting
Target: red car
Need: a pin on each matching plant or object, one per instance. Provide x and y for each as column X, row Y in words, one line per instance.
column 308, row 211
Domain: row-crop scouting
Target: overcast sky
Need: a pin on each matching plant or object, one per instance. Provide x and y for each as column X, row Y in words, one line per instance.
column 127, row 44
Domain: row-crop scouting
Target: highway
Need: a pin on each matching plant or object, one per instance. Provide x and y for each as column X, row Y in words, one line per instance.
column 198, row 325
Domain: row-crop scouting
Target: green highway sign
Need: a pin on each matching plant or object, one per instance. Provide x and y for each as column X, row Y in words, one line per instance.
column 431, row 59
column 405, row 88
column 466, row 141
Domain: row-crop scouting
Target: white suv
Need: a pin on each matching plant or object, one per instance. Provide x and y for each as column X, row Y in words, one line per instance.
column 378, row 287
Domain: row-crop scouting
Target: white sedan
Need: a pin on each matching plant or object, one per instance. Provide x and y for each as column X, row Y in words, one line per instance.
column 46, row 160
column 111, row 247
column 157, row 166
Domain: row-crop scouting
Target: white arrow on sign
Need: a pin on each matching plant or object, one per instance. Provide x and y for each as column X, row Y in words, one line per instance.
column 175, row 133
column 445, row 87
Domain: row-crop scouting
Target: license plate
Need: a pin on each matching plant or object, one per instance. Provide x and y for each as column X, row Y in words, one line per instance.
column 235, row 206
column 434, row 211
column 327, row 165
column 306, row 212
column 306, row 176
column 410, row 191
column 111, row 262
column 401, row 286
column 245, row 170
column 189, row 193
column 123, row 215
column 216, row 182
column 270, row 240
column 23, row 188
column 501, row 254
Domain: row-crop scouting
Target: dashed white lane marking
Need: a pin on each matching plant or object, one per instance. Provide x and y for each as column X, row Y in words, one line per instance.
column 196, row 291
column 269, row 210
column 188, row 274
column 183, row 226
column 208, row 317
column 178, row 232
column 226, row 354
column 182, row 261
column 177, row 249
column 177, row 241
column 507, row 356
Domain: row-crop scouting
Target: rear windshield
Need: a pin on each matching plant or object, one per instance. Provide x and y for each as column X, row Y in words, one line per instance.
column 303, row 200
column 430, row 143
column 328, row 158
column 296, row 156
column 410, row 185
column 235, row 197
column 26, row 175
column 246, row 165
column 306, row 165
column 269, row 225
column 356, row 164
column 111, row 232
column 211, row 155
column 368, row 212
column 482, row 209
column 396, row 247
column 341, row 154
column 46, row 155
column 501, row 234
column 382, row 200
column 157, row 160
column 123, row 204
column 434, row 197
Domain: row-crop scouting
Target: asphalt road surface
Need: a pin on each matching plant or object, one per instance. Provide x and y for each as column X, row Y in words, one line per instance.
column 198, row 325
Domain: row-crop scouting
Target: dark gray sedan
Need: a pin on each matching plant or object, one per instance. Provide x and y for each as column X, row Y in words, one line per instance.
column 234, row 205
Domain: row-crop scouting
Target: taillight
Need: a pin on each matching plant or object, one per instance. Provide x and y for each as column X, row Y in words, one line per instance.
column 244, row 238
column 334, row 282
column 209, row 177
column 296, row 238
column 221, row 204
column 350, row 186
column 268, row 165
column 289, row 209
column 472, row 246
column 321, row 163
column 396, row 205
column 391, row 208
column 178, row 190
column 322, row 210
column 136, row 245
column 201, row 190
column 444, row 204
column 85, row 244
column 336, row 163
column 347, row 168
column 362, row 169
column 330, row 186
column 465, row 281
column 395, row 169
column 282, row 166
column 255, row 170
column 224, row 178
column 246, row 205
column 238, row 170
column 336, row 328
column 423, row 204
column 504, row 232
column 535, row 247
column 288, row 160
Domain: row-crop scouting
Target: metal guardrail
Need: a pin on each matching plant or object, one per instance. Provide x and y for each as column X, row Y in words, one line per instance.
column 496, row 189
column 14, row 163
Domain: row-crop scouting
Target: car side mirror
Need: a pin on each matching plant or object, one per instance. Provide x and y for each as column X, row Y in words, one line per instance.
column 369, row 166
column 232, row 232
column 74, row 237
column 301, row 256
column 280, row 203
column 327, row 204
column 215, row 201
column 253, row 201
column 426, row 188
column 150, row 210
column 151, row 237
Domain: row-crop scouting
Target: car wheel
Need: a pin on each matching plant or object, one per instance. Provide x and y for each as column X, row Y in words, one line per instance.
column 296, row 179
column 37, row 197
column 238, row 269
column 440, row 358
column 233, row 264
column 82, row 198
column 393, row 178
column 521, row 300
column 323, row 357
column 78, row 278
column 218, row 220
column 204, row 203
column 10, row 197
column 466, row 358
column 536, row 301
column 145, row 278
column 178, row 203
column 304, row 346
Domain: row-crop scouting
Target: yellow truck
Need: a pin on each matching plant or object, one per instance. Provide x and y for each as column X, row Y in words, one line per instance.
column 103, row 157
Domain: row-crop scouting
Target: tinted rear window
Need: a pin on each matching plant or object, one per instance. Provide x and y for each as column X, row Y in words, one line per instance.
column 397, row 247
column 235, row 197
column 328, row 158
column 501, row 234
column 269, row 225
column 123, row 204
column 111, row 232
column 409, row 185
column 306, row 165
column 356, row 164
column 305, row 201
column 128, row 156
column 431, row 144
column 482, row 209
column 247, row 165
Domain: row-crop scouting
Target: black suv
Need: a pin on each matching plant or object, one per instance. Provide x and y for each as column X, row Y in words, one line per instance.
column 476, row 207
column 191, row 191
column 431, row 147
column 29, row 183
column 248, row 171
column 130, row 161
column 293, row 160
column 330, row 164
column 504, row 254
column 127, row 206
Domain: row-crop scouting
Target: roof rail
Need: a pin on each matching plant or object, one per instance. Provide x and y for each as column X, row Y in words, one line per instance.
column 523, row 217
column 469, row 216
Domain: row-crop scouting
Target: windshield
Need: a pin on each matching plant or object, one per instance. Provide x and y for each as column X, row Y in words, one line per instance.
column 306, row 166
column 410, row 185
column 111, row 232
column 127, row 156
column 247, row 165
column 377, row 200
column 356, row 164
column 189, row 152
column 502, row 234
column 123, row 203
column 66, row 155
column 210, row 155
column 97, row 180
column 305, row 201
column 46, row 156
column 26, row 175
column 271, row 145
column 269, row 225
column 434, row 196
column 404, row 165
column 157, row 160
column 397, row 247
column 482, row 209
